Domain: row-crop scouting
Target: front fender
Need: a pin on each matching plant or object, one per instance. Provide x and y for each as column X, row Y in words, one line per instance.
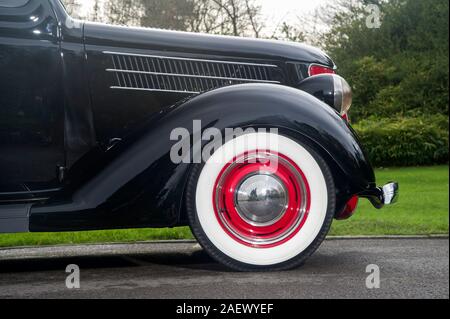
column 135, row 184
column 290, row 110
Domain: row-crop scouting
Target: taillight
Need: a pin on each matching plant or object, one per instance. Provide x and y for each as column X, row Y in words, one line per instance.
column 316, row 69
column 345, row 117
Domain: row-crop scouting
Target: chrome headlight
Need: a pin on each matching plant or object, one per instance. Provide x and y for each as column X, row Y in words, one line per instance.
column 331, row 89
column 343, row 95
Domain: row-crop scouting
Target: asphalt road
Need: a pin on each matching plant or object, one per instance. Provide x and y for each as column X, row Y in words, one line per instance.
column 409, row 268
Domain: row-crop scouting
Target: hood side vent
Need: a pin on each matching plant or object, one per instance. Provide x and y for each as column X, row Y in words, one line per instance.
column 182, row 75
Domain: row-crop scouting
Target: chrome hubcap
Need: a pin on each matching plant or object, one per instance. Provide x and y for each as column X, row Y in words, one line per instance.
column 261, row 199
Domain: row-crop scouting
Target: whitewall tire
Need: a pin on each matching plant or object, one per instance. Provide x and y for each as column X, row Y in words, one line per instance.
column 262, row 201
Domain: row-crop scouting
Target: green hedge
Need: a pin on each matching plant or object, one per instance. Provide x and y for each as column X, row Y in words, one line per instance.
column 405, row 141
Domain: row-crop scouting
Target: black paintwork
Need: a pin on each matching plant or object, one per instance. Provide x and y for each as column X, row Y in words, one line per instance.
column 321, row 87
column 103, row 159
column 116, row 112
column 31, row 99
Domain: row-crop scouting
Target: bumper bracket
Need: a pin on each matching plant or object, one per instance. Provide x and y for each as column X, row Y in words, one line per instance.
column 381, row 196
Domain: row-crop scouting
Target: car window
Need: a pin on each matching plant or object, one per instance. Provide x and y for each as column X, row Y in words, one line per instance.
column 13, row 3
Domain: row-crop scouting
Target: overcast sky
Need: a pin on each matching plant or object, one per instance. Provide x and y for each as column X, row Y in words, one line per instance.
column 276, row 11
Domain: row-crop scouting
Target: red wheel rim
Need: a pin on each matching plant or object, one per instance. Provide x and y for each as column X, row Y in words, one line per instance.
column 286, row 222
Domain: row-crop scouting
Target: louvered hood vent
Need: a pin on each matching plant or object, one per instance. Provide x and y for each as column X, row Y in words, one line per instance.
column 181, row 75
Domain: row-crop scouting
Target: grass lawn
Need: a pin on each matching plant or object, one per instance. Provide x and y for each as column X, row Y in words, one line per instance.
column 423, row 209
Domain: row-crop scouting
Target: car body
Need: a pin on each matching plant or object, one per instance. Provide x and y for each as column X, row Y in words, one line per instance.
column 87, row 111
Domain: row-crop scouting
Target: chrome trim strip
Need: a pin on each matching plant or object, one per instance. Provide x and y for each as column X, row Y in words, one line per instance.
column 44, row 191
column 193, row 76
column 189, row 59
column 152, row 90
column 338, row 93
column 18, row 201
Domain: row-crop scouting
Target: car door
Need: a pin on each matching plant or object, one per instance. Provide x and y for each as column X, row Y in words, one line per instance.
column 31, row 99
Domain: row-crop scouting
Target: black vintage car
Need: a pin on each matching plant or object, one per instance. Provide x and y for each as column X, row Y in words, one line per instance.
column 105, row 127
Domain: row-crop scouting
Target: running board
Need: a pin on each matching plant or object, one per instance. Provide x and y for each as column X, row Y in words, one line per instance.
column 15, row 218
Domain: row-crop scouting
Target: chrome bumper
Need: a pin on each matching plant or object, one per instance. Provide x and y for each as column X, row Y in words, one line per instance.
column 381, row 196
column 390, row 193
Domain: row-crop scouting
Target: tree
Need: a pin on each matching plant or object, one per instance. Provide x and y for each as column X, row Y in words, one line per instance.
column 167, row 14
column 123, row 12
column 407, row 55
column 238, row 17
column 227, row 17
column 73, row 8
column 290, row 33
column 254, row 17
column 205, row 17
column 95, row 16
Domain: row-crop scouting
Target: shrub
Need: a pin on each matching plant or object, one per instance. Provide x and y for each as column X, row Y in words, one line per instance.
column 399, row 68
column 405, row 141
